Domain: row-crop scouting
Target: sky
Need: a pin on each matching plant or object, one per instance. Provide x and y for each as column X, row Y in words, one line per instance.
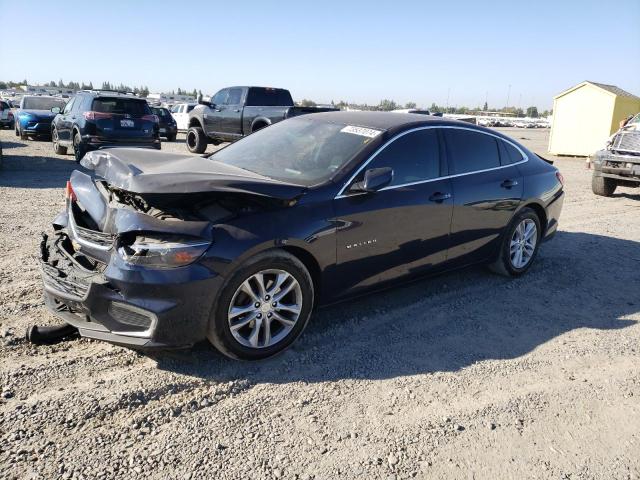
column 454, row 52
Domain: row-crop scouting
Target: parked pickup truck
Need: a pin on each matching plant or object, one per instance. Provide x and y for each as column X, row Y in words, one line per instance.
column 234, row 112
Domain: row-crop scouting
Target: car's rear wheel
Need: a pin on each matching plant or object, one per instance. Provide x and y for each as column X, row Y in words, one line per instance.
column 263, row 307
column 78, row 148
column 519, row 245
column 56, row 143
column 196, row 140
column 603, row 186
column 171, row 138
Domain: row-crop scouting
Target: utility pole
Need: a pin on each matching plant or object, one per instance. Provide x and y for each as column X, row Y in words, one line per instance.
column 508, row 96
column 447, row 107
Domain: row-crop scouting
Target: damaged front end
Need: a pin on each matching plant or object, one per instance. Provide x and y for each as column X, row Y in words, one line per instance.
column 621, row 159
column 131, row 267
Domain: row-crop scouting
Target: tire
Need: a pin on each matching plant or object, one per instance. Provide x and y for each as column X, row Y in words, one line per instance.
column 171, row 138
column 22, row 135
column 196, row 140
column 275, row 263
column 79, row 149
column 506, row 263
column 17, row 132
column 56, row 146
column 603, row 186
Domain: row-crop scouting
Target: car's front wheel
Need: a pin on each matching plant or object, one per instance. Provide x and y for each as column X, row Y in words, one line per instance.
column 519, row 245
column 263, row 307
column 603, row 186
column 196, row 140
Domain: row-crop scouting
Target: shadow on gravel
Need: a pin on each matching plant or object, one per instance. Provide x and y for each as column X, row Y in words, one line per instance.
column 449, row 322
column 7, row 145
column 26, row 171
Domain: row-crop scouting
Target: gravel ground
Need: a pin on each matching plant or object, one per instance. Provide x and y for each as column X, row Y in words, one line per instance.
column 469, row 375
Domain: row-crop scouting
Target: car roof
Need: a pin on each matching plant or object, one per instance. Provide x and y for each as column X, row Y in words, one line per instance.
column 384, row 120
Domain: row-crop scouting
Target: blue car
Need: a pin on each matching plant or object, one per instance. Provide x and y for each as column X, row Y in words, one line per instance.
column 34, row 116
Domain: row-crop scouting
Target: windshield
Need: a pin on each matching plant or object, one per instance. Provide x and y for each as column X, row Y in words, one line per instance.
column 42, row 103
column 301, row 151
column 120, row 105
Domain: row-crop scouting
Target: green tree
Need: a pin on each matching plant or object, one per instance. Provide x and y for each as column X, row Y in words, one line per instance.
column 308, row 103
column 532, row 112
column 485, row 108
column 410, row 105
column 387, row 105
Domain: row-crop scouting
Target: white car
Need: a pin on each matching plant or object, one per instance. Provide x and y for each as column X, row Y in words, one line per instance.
column 180, row 112
column 7, row 118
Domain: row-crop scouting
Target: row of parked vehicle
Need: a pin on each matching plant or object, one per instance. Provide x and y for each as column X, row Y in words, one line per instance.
column 95, row 119
column 515, row 122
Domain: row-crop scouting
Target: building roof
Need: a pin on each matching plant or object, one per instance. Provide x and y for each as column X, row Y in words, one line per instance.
column 608, row 88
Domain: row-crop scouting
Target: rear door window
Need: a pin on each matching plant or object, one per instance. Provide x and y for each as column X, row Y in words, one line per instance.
column 120, row 106
column 471, row 151
column 508, row 153
column 269, row 97
column 414, row 157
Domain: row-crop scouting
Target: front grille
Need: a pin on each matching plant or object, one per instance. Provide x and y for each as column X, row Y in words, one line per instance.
column 628, row 142
column 94, row 236
column 57, row 280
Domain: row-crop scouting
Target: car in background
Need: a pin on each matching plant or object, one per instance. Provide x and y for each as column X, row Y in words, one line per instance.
column 95, row 119
column 168, row 127
column 180, row 113
column 618, row 164
column 165, row 250
column 7, row 119
column 34, row 116
column 235, row 112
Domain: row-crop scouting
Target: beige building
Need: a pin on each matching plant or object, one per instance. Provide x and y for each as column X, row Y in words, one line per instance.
column 585, row 115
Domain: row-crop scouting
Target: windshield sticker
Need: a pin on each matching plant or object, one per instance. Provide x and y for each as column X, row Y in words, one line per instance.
column 364, row 132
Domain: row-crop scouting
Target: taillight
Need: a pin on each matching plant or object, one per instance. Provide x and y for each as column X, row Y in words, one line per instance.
column 69, row 194
column 560, row 178
column 96, row 115
column 151, row 118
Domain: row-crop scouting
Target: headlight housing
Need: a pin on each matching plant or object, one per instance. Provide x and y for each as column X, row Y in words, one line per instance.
column 162, row 251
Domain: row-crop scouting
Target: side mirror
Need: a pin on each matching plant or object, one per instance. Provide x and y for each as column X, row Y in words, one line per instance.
column 55, row 110
column 374, row 179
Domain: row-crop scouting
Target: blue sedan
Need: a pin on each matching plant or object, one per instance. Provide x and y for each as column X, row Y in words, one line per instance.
column 34, row 115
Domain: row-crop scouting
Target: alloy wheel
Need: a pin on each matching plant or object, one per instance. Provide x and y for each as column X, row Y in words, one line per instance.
column 523, row 243
column 265, row 308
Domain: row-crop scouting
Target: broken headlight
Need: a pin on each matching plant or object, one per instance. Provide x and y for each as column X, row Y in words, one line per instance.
column 162, row 251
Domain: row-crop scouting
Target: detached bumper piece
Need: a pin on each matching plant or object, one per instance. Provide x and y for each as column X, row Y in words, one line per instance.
column 47, row 335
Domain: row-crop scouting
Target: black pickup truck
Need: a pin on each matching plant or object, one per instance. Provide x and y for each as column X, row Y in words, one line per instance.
column 234, row 112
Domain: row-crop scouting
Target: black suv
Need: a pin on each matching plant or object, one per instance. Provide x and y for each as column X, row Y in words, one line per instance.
column 167, row 124
column 96, row 119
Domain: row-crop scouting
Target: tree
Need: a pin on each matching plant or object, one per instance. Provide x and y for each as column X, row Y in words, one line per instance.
column 410, row 105
column 532, row 112
column 485, row 108
column 387, row 105
column 307, row 103
column 60, row 84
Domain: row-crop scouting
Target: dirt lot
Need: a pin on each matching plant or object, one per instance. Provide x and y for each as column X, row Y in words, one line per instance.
column 469, row 375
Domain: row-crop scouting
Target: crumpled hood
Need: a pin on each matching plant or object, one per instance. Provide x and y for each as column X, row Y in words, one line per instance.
column 146, row 171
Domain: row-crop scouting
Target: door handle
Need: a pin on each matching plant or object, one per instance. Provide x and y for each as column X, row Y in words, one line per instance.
column 439, row 197
column 509, row 183
column 237, row 111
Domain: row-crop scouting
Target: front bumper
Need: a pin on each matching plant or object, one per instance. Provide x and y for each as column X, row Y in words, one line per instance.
column 36, row 127
column 126, row 305
column 617, row 166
